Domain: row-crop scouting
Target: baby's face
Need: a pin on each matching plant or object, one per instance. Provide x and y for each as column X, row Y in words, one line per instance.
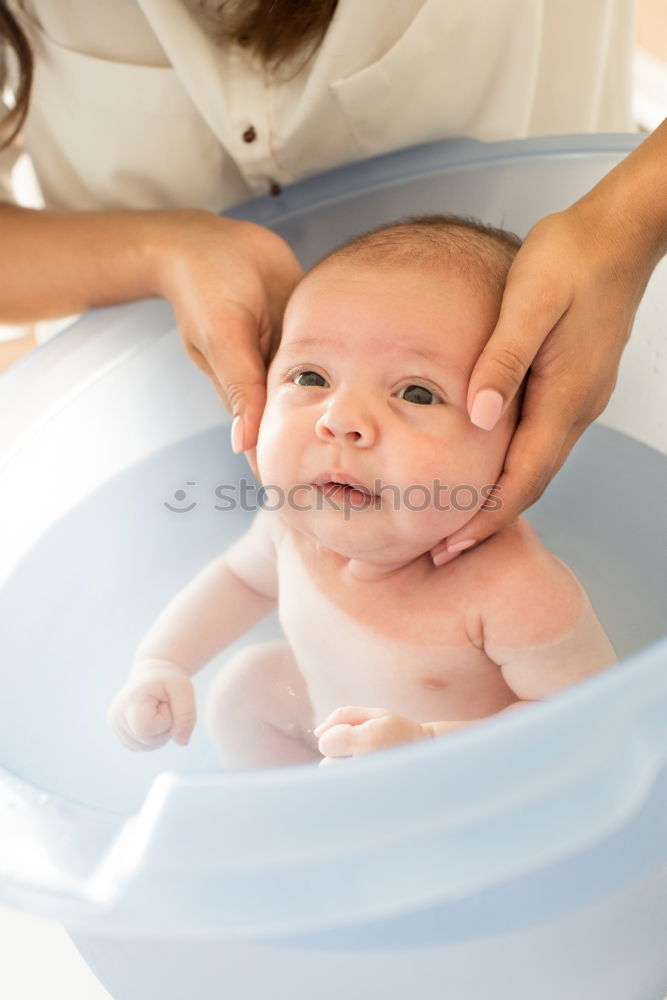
column 369, row 388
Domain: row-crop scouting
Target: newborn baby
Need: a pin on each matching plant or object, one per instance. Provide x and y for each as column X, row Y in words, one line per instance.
column 369, row 459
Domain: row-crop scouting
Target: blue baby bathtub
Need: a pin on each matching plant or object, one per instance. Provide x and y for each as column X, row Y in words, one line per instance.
column 522, row 858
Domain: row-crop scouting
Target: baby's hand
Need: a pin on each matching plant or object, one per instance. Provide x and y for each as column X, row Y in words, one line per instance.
column 156, row 704
column 351, row 731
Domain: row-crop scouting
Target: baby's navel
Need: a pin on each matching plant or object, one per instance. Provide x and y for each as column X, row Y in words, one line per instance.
column 435, row 683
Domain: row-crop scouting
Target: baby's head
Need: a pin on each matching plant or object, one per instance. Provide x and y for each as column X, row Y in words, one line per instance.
column 369, row 388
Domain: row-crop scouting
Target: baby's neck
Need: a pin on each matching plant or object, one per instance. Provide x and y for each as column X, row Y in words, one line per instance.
column 366, row 567
column 360, row 569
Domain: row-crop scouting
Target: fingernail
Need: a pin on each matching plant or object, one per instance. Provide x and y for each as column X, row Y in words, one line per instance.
column 460, row 546
column 440, row 557
column 237, row 435
column 486, row 409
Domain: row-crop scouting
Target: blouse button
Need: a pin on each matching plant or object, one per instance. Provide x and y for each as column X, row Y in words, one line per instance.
column 250, row 134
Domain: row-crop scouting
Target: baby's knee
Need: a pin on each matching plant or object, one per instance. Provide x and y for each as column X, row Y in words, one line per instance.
column 242, row 681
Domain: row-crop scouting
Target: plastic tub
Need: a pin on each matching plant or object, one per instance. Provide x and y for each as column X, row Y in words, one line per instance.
column 524, row 857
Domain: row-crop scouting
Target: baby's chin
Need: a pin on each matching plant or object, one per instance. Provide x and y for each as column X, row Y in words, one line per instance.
column 352, row 539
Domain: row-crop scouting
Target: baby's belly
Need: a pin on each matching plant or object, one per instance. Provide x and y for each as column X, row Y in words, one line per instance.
column 420, row 682
column 345, row 660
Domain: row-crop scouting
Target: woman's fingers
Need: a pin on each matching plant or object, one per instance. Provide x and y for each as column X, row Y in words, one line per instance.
column 571, row 439
column 539, row 447
column 566, row 315
column 531, row 308
column 235, row 365
column 229, row 283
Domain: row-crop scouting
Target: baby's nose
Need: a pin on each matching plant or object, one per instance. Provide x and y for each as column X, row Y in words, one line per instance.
column 348, row 422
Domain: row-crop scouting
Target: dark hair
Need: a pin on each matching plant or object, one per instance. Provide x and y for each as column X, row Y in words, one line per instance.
column 472, row 247
column 12, row 35
column 275, row 30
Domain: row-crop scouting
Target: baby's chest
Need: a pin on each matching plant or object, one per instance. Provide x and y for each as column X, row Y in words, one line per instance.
column 395, row 632
column 355, row 659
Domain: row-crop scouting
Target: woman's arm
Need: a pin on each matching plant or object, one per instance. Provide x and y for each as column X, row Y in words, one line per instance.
column 227, row 281
column 58, row 263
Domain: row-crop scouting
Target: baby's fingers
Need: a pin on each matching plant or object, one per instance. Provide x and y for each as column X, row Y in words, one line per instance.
column 339, row 741
column 351, row 715
column 148, row 717
column 328, row 761
column 348, row 741
column 124, row 724
column 183, row 708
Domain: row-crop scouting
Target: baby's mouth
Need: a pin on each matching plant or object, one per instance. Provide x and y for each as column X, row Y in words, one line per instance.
column 342, row 489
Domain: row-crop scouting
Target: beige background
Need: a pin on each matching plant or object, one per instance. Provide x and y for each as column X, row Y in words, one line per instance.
column 652, row 27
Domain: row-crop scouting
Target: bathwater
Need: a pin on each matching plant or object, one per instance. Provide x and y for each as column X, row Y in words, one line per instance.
column 76, row 606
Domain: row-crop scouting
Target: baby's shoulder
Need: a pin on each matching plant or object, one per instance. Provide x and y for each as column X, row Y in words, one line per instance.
column 515, row 550
column 514, row 576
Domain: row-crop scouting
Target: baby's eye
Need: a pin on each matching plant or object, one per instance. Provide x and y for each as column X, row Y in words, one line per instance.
column 418, row 394
column 310, row 378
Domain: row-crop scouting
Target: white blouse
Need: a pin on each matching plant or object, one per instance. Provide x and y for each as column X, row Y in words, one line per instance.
column 135, row 105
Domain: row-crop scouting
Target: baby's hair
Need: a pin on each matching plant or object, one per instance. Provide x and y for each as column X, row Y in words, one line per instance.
column 482, row 254
column 474, row 249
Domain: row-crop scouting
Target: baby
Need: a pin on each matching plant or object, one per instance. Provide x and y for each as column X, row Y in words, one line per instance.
column 369, row 458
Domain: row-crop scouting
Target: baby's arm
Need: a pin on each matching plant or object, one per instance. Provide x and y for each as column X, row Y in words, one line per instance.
column 220, row 604
column 538, row 625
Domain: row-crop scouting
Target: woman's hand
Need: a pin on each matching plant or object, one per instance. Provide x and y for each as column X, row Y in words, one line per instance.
column 228, row 283
column 352, row 731
column 566, row 315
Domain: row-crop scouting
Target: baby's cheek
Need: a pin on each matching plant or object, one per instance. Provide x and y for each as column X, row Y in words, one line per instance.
column 448, row 518
column 274, row 433
column 269, row 447
column 480, row 454
column 260, row 453
column 441, row 458
column 451, row 479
